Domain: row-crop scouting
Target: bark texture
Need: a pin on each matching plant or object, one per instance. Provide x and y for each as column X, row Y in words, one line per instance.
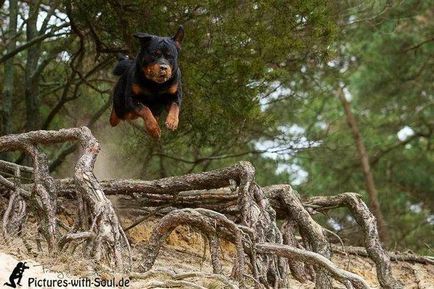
column 101, row 228
column 366, row 221
column 9, row 70
column 221, row 204
column 366, row 167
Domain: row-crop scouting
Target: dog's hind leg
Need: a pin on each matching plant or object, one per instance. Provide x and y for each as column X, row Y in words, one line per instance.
column 114, row 119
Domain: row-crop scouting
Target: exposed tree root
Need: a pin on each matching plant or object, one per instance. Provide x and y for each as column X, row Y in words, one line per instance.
column 371, row 238
column 182, row 276
column 103, row 232
column 394, row 256
column 172, row 284
column 16, row 211
column 239, row 211
column 350, row 280
column 201, row 220
column 279, row 195
column 209, row 222
column 297, row 268
column 310, row 230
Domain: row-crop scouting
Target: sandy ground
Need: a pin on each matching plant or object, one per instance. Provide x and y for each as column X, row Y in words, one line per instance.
column 184, row 252
column 36, row 270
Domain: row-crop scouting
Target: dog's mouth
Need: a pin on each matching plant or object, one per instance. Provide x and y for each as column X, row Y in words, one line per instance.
column 162, row 77
column 156, row 74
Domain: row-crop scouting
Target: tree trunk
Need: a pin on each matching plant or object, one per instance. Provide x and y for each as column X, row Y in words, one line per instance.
column 31, row 89
column 8, row 84
column 364, row 162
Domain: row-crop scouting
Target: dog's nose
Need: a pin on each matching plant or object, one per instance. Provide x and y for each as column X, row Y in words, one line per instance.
column 164, row 67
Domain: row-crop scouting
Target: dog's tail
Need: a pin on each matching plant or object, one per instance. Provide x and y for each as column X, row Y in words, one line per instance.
column 123, row 64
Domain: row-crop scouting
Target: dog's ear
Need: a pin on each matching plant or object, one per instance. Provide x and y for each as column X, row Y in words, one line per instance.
column 179, row 36
column 144, row 38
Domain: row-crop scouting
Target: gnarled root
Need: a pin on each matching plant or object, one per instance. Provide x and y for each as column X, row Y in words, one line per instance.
column 104, row 232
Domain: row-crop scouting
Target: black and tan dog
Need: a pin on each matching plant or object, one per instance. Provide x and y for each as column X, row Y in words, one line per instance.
column 150, row 83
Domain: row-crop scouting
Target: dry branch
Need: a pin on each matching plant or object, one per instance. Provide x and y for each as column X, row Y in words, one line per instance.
column 215, row 179
column 4, row 165
column 366, row 220
column 394, row 256
column 16, row 211
column 166, row 274
column 214, row 246
column 280, row 199
column 14, row 216
column 194, row 219
column 43, row 184
column 297, row 268
column 209, row 199
column 217, row 277
column 229, row 204
column 249, row 202
column 310, row 230
column 315, row 259
column 172, row 284
column 104, row 232
column 210, row 222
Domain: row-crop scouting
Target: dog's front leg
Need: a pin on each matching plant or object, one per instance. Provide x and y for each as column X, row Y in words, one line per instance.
column 172, row 119
column 151, row 124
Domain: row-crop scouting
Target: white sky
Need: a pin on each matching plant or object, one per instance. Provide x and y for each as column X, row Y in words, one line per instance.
column 404, row 133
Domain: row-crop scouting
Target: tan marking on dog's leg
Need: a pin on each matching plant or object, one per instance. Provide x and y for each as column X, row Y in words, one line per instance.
column 173, row 89
column 136, row 89
column 172, row 119
column 151, row 123
column 114, row 119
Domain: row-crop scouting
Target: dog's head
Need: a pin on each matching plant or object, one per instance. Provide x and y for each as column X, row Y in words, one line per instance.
column 158, row 56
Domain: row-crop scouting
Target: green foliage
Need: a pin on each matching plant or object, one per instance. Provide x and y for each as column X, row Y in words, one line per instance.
column 386, row 64
column 231, row 52
column 259, row 79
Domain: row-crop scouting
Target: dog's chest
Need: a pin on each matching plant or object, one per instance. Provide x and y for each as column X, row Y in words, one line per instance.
column 151, row 95
column 139, row 90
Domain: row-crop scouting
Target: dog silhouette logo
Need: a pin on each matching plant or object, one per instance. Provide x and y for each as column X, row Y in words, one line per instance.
column 17, row 273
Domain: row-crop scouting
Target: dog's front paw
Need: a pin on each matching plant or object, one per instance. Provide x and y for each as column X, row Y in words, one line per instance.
column 172, row 122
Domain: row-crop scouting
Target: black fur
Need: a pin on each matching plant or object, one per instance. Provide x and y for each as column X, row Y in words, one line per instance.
column 123, row 64
column 156, row 96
